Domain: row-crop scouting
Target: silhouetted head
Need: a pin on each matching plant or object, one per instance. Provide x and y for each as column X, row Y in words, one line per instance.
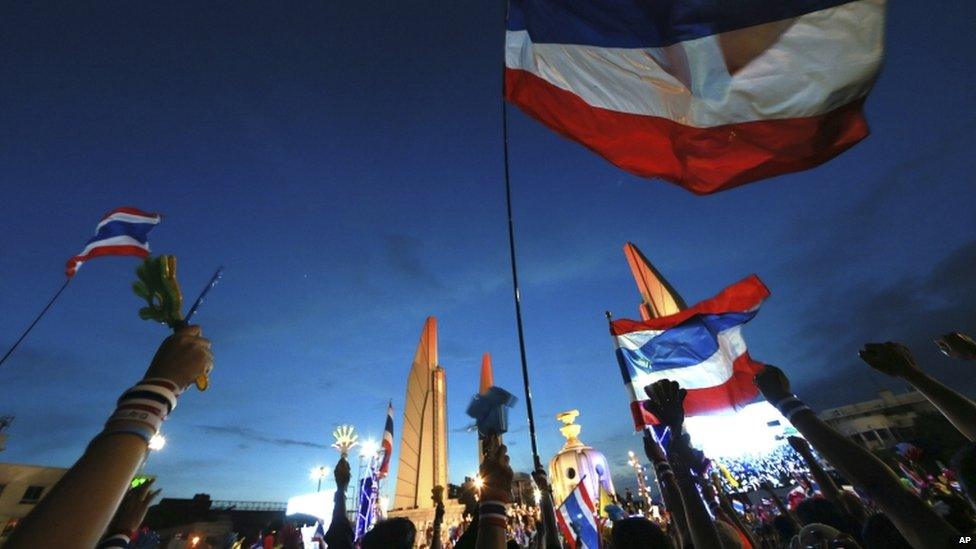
column 821, row 511
column 395, row 533
column 638, row 533
column 784, row 528
column 880, row 533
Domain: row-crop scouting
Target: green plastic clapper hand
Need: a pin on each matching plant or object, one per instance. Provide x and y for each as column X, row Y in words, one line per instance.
column 158, row 286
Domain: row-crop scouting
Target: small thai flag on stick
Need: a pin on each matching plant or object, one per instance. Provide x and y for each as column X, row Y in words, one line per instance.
column 122, row 231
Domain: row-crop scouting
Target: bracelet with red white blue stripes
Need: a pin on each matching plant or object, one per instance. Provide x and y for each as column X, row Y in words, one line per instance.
column 492, row 513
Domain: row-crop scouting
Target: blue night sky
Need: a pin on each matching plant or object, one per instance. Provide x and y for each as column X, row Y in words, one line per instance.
column 343, row 161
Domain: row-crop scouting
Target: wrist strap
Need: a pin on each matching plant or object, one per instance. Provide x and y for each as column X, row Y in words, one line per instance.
column 143, row 431
column 139, row 416
column 151, row 391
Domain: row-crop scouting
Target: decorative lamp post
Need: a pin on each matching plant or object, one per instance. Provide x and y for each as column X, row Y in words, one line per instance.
column 319, row 473
column 642, row 491
column 345, row 439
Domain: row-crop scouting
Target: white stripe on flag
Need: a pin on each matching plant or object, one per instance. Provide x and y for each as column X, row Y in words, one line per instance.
column 122, row 240
column 128, row 218
column 824, row 60
column 715, row 370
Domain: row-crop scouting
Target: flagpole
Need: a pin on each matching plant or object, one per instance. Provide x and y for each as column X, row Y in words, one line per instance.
column 36, row 320
column 516, row 293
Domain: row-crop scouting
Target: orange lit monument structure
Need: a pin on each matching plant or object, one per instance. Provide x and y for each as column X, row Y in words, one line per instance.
column 423, row 439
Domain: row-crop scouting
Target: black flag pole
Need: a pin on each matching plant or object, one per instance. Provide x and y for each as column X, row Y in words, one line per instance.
column 34, row 323
column 516, row 293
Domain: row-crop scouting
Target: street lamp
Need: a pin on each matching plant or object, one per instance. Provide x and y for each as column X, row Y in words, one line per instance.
column 319, row 473
column 642, row 490
column 369, row 448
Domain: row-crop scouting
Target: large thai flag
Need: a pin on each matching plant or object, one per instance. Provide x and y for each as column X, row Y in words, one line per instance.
column 123, row 231
column 577, row 520
column 707, row 94
column 387, row 443
column 700, row 347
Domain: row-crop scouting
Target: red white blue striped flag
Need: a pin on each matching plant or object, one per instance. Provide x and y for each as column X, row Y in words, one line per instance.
column 700, row 347
column 387, row 443
column 703, row 93
column 122, row 231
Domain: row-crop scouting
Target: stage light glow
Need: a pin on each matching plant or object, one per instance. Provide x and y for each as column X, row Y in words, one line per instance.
column 316, row 504
column 157, row 442
column 369, row 448
column 754, row 430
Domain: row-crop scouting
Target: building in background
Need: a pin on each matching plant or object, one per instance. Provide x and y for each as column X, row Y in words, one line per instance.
column 423, row 440
column 215, row 522
column 21, row 487
column 882, row 422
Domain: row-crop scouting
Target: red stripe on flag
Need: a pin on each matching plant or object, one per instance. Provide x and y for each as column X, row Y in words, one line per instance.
column 100, row 251
column 744, row 295
column 735, row 393
column 569, row 538
column 129, row 210
column 701, row 160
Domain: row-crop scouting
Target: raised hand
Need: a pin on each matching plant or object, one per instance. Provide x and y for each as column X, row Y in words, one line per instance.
column 437, row 495
column 799, row 444
column 496, row 472
column 541, row 480
column 182, row 357
column 666, row 401
column 893, row 359
column 773, row 384
column 957, row 345
column 343, row 474
column 132, row 510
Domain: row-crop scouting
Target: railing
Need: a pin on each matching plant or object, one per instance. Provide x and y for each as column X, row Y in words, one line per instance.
column 226, row 505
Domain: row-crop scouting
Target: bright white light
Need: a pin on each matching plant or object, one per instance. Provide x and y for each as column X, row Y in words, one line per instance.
column 157, row 442
column 369, row 448
column 752, row 430
column 479, row 482
column 318, row 473
column 194, row 541
column 537, row 495
column 316, row 504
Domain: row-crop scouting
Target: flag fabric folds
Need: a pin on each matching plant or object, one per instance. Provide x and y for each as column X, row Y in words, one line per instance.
column 700, row 347
column 577, row 520
column 709, row 95
column 123, row 231
column 387, row 443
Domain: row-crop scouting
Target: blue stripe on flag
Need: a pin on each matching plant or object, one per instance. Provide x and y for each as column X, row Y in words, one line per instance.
column 138, row 231
column 578, row 514
column 647, row 23
column 686, row 344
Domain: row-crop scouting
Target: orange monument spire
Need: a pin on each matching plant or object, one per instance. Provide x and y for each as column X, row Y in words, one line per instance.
column 659, row 298
column 423, row 442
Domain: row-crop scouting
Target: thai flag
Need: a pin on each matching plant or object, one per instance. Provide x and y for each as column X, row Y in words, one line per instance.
column 123, row 231
column 577, row 520
column 706, row 94
column 387, row 443
column 700, row 347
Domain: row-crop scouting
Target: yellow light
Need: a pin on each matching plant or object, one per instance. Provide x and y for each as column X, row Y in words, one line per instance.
column 194, row 541
column 479, row 482
column 157, row 442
